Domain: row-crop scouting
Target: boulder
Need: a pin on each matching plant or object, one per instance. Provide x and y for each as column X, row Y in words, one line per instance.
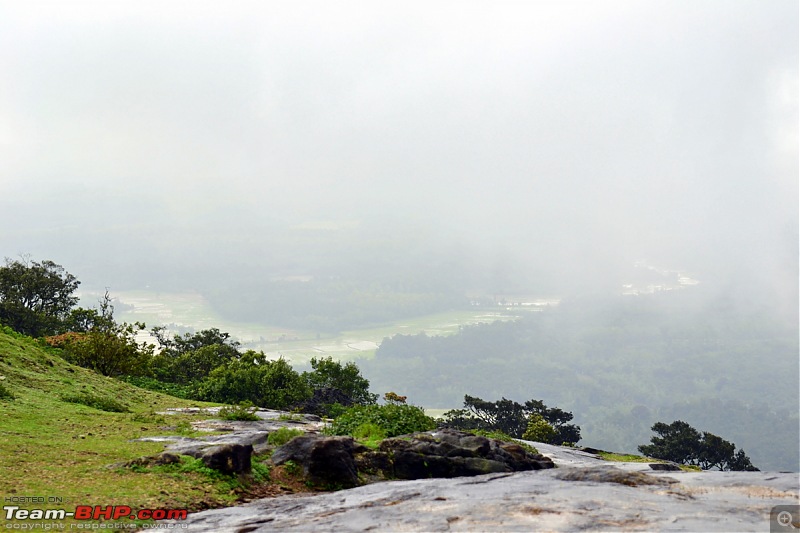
column 325, row 460
column 228, row 458
column 164, row 458
column 322, row 399
column 611, row 474
column 450, row 453
column 667, row 467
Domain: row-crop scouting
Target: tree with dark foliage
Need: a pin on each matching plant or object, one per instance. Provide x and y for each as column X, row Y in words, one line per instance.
column 191, row 357
column 335, row 385
column 327, row 373
column 36, row 297
column 512, row 418
column 681, row 443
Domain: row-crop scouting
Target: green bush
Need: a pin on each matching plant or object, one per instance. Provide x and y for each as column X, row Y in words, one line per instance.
column 105, row 346
column 187, row 392
column 96, row 402
column 369, row 434
column 253, row 378
column 191, row 357
column 283, row 435
column 327, row 373
column 260, row 471
column 244, row 411
column 5, row 394
column 336, row 409
column 148, row 417
column 394, row 420
column 538, row 429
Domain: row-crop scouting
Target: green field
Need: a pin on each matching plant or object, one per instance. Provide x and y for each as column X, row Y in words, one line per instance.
column 191, row 310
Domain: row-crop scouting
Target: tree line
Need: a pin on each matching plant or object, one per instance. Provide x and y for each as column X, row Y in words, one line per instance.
column 37, row 299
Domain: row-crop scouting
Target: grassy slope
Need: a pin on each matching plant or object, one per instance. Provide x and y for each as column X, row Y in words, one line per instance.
column 52, row 448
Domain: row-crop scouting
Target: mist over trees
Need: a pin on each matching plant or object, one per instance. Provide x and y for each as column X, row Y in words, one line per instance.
column 352, row 164
column 620, row 364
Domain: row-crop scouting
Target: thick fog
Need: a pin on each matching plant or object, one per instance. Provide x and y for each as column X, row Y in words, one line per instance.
column 181, row 142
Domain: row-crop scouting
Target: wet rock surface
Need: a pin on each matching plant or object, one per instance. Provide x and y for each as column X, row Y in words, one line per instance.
column 450, row 453
column 325, row 460
column 338, row 461
column 231, row 448
column 584, row 493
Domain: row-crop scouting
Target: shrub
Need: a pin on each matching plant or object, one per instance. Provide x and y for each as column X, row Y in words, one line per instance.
column 327, row 373
column 393, row 419
column 283, row 435
column 336, row 409
column 5, row 394
column 538, row 429
column 187, row 392
column 95, row 402
column 191, row 357
column 253, row 378
column 105, row 346
column 369, row 434
column 259, row 471
column 369, row 431
column 243, row 411
column 148, row 417
column 111, row 353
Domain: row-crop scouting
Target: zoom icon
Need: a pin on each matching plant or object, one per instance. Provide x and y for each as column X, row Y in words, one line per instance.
column 784, row 518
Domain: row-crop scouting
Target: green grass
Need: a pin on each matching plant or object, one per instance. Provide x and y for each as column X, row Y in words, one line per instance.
column 627, row 458
column 103, row 403
column 5, row 394
column 630, row 458
column 281, row 436
column 244, row 411
column 55, row 448
column 499, row 435
column 370, row 435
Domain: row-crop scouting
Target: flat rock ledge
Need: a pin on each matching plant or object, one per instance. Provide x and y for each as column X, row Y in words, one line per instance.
column 594, row 498
column 584, row 493
column 229, row 445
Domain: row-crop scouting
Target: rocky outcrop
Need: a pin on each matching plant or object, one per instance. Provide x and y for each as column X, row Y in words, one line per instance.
column 450, row 453
column 326, row 461
column 447, row 453
column 585, row 493
column 228, row 458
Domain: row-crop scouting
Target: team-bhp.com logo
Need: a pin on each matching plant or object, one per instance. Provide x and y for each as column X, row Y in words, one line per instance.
column 94, row 512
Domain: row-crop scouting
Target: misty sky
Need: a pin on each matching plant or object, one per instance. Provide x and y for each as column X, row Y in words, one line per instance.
column 561, row 133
